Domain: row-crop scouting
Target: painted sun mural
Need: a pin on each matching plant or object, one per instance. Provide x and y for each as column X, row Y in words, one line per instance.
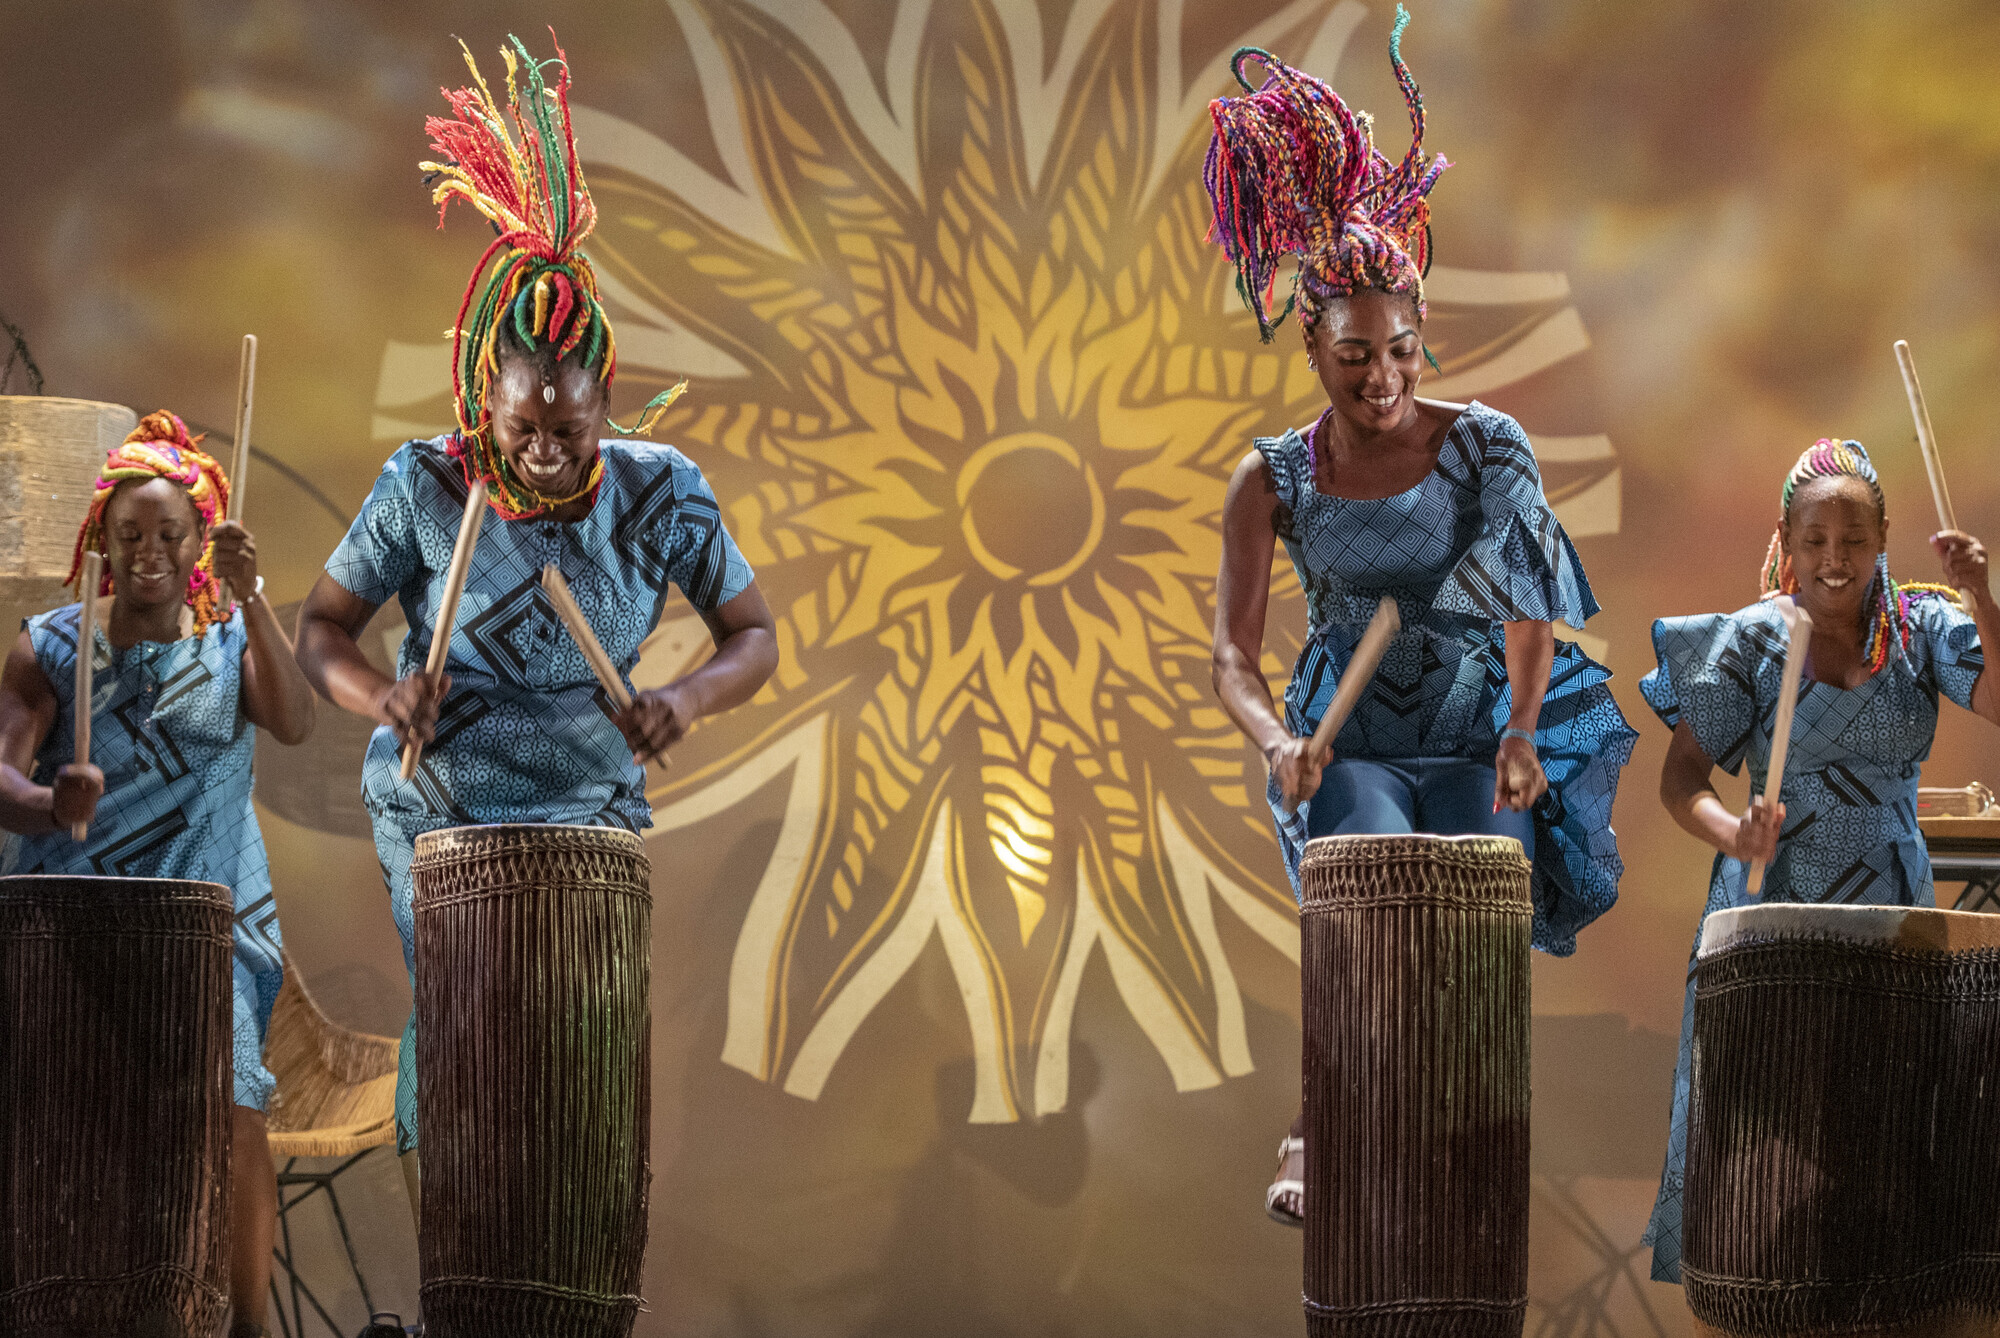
column 970, row 385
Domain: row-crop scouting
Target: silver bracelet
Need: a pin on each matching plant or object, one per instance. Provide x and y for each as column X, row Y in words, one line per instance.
column 1526, row 736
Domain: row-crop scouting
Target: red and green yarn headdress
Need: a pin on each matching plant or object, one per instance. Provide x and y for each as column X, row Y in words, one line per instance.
column 1293, row 170
column 1828, row 458
column 160, row 448
column 534, row 280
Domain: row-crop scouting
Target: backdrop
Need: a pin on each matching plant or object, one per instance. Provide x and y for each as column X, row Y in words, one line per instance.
column 976, row 1004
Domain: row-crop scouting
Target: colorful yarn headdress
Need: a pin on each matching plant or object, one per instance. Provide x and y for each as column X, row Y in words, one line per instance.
column 1293, row 170
column 533, row 282
column 1890, row 624
column 160, row 448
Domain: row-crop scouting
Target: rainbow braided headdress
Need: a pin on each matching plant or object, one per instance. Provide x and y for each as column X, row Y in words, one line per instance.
column 1890, row 625
column 1293, row 170
column 160, row 448
column 534, row 279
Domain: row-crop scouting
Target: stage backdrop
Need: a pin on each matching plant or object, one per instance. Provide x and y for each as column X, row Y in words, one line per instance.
column 976, row 1002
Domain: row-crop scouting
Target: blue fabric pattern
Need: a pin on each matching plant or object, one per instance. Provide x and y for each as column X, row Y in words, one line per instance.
column 169, row 733
column 1472, row 546
column 1850, row 787
column 525, row 734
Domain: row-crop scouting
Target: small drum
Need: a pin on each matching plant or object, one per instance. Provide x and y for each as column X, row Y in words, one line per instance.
column 115, row 1094
column 533, row 1078
column 1843, row 1155
column 1415, row 977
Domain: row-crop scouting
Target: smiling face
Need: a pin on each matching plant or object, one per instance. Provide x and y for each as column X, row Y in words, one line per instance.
column 1833, row 535
column 1369, row 351
column 153, row 539
column 548, row 439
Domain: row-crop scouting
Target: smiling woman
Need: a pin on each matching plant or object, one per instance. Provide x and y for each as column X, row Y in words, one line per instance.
column 1881, row 654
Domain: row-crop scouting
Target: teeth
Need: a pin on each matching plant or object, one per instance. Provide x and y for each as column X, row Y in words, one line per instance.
column 1383, row 403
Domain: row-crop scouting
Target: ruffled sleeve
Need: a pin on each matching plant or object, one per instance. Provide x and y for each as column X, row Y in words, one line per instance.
column 1522, row 567
column 1717, row 671
column 1944, row 648
column 1286, row 456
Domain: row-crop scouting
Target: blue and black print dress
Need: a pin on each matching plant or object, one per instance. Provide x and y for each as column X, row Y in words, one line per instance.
column 525, row 734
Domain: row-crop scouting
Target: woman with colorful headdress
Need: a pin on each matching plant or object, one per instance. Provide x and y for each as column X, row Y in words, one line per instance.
column 1845, row 828
column 512, row 730
column 182, row 683
column 1478, row 720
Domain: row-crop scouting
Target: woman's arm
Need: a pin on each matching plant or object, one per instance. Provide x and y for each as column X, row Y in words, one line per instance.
column 1685, row 791
column 1965, row 568
column 746, row 654
column 1517, row 771
column 27, row 712
column 276, row 695
column 331, row 660
column 1242, row 592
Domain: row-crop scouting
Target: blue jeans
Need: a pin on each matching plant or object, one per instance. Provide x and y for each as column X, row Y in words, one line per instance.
column 1444, row 796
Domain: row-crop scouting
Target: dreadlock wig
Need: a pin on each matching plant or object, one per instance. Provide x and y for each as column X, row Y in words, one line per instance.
column 533, row 289
column 1293, row 170
column 160, row 448
column 1890, row 624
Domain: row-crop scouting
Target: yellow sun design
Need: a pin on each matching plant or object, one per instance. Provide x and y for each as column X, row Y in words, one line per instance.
column 970, row 385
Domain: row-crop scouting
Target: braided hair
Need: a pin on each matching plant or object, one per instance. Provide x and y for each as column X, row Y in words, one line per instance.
column 1293, row 170
column 1890, row 624
column 160, row 448
column 533, row 290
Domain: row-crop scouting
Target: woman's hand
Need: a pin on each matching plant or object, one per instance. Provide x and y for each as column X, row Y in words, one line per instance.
column 409, row 706
column 1964, row 559
column 1298, row 769
column 1518, row 780
column 655, row 722
column 1757, row 831
column 235, row 558
column 77, row 789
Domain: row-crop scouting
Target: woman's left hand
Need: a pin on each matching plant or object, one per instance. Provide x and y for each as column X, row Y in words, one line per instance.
column 655, row 721
column 1964, row 560
column 235, row 558
column 1517, row 776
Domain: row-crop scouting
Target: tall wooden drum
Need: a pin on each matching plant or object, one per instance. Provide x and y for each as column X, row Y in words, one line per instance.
column 1415, row 976
column 50, row 451
column 533, row 1078
column 1843, row 1156
column 115, row 1094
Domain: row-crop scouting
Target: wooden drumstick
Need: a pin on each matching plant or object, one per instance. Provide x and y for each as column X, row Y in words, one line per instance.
column 557, row 590
column 1927, row 443
column 1367, row 657
column 447, row 615
column 86, row 650
column 1798, row 627
column 246, row 389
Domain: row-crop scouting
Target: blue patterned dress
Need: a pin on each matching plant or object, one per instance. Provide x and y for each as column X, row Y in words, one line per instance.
column 1472, row 546
column 1850, row 786
column 168, row 731
column 525, row 734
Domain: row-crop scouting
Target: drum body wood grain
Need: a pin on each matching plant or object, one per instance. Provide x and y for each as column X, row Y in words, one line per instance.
column 1844, row 1123
column 1416, row 1013
column 115, row 1094
column 50, row 451
column 534, row 1078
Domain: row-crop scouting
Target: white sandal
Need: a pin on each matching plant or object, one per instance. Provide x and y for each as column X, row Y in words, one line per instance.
column 1280, row 1188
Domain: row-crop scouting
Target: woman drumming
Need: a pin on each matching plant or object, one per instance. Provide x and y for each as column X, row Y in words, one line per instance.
column 181, row 686
column 1479, row 720
column 512, row 730
column 1845, row 829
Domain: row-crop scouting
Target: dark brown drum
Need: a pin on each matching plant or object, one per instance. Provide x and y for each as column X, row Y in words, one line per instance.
column 1843, row 1157
column 115, row 1096
column 1415, row 972
column 533, row 1078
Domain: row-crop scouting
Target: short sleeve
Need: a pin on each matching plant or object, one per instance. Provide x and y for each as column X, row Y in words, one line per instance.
column 380, row 554
column 1709, row 675
column 1522, row 567
column 702, row 558
column 1945, row 649
column 1285, row 455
